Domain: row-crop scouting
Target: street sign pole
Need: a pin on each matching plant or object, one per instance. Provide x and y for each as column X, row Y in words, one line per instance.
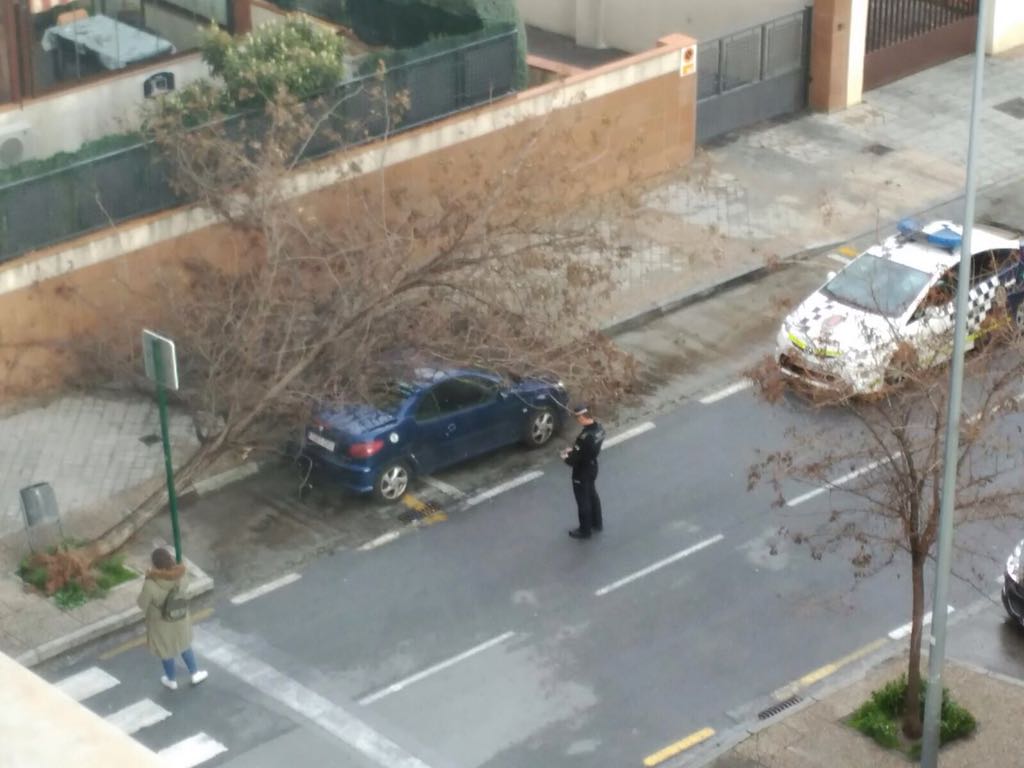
column 172, row 497
column 162, row 367
column 937, row 650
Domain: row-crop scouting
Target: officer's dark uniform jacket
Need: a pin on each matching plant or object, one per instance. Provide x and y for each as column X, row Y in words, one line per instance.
column 583, row 456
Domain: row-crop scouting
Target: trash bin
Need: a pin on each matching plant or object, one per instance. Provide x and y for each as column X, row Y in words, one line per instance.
column 42, row 516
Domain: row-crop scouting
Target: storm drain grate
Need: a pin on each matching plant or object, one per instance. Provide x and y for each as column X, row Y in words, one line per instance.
column 879, row 149
column 149, row 439
column 1013, row 107
column 774, row 709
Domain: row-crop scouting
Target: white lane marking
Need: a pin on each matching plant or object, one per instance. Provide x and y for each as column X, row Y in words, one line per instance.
column 639, row 429
column 380, row 541
column 443, row 487
column 660, row 564
column 191, row 751
column 725, row 392
column 300, row 699
column 833, row 484
column 841, row 259
column 396, row 687
column 506, row 486
column 87, row 683
column 137, row 716
column 270, row 586
column 900, row 632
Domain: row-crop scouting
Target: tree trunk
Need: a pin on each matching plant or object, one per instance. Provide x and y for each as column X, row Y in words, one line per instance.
column 912, row 703
column 115, row 537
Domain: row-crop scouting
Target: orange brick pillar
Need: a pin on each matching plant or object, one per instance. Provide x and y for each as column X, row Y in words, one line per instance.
column 838, row 32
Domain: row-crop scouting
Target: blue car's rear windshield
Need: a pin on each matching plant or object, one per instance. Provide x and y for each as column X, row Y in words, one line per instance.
column 390, row 395
column 877, row 285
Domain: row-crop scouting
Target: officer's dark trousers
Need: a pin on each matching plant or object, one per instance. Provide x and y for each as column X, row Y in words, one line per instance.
column 588, row 503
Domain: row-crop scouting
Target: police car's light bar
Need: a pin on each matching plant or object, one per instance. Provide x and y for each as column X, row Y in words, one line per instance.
column 946, row 237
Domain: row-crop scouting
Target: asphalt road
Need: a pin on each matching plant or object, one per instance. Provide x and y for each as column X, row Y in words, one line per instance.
column 484, row 636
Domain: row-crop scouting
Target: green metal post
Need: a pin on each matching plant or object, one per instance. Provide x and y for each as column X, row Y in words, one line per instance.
column 165, row 434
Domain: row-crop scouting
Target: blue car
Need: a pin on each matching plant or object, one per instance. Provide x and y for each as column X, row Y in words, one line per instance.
column 431, row 420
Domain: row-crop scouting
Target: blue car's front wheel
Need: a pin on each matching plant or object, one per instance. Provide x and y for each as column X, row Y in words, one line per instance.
column 392, row 481
column 540, row 427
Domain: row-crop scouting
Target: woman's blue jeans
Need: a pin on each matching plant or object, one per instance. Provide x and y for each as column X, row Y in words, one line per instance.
column 190, row 661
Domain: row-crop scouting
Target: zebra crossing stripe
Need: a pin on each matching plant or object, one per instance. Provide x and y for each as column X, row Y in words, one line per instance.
column 87, row 683
column 191, row 751
column 137, row 716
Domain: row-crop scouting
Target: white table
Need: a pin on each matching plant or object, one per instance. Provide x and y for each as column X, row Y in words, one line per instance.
column 115, row 44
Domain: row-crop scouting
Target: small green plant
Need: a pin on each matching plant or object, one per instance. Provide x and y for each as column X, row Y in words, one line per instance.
column 112, row 572
column 60, row 573
column 879, row 717
column 71, row 595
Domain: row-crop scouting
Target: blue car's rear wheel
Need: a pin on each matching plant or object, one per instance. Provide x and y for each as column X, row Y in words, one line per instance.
column 540, row 427
column 392, row 482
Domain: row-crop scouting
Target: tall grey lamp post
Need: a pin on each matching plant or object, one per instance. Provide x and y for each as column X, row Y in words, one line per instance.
column 937, row 649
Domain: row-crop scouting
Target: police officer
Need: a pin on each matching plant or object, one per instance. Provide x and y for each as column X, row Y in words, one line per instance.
column 582, row 457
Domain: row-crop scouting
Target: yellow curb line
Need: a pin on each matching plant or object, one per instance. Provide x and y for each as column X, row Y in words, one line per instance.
column 847, row 250
column 141, row 640
column 829, row 669
column 672, row 750
column 414, row 504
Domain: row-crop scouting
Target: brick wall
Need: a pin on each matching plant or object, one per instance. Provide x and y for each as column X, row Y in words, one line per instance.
column 602, row 129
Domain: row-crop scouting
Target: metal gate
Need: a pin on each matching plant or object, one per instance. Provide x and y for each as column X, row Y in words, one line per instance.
column 906, row 36
column 753, row 75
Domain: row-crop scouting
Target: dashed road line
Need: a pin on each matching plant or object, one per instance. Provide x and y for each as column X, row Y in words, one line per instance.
column 191, row 751
column 506, row 486
column 270, row 586
column 87, row 683
column 303, row 701
column 900, row 632
column 658, row 565
column 834, row 484
column 725, row 392
column 841, row 259
column 380, row 541
column 137, row 716
column 443, row 487
column 827, row 670
column 639, row 429
column 682, row 745
column 396, row 687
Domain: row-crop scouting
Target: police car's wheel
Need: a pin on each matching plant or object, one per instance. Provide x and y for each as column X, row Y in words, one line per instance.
column 540, row 427
column 1018, row 315
column 392, row 482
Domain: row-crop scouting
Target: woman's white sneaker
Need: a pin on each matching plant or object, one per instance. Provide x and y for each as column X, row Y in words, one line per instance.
column 199, row 676
column 168, row 683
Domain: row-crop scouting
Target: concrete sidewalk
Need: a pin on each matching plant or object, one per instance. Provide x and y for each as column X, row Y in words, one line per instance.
column 753, row 199
column 812, row 734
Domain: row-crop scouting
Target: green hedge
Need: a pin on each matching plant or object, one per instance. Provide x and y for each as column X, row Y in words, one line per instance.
column 87, row 151
column 408, row 23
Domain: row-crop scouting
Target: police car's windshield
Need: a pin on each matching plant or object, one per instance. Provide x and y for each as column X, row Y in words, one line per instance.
column 878, row 285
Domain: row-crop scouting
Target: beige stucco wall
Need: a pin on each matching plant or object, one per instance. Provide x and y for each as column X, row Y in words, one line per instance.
column 634, row 25
column 1006, row 25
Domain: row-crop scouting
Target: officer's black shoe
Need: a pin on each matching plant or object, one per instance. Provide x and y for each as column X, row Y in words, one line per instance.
column 598, row 528
column 576, row 533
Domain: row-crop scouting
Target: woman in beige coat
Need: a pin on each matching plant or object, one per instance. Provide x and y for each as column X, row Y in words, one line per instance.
column 168, row 634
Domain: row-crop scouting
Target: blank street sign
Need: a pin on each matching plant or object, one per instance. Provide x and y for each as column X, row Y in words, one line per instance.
column 154, row 344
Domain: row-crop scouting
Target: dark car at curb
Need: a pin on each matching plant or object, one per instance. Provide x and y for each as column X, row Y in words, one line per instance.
column 1013, row 589
column 427, row 421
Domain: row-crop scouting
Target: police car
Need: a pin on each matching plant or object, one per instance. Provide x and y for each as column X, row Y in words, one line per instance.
column 899, row 296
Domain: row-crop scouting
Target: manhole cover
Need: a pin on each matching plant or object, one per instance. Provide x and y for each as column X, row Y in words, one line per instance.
column 149, row 439
column 1013, row 107
column 879, row 149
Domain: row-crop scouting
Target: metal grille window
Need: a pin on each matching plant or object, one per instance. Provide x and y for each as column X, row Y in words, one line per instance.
column 741, row 59
column 708, row 76
column 783, row 46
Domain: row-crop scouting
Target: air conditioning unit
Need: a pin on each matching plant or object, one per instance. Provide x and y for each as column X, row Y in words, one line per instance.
column 15, row 143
